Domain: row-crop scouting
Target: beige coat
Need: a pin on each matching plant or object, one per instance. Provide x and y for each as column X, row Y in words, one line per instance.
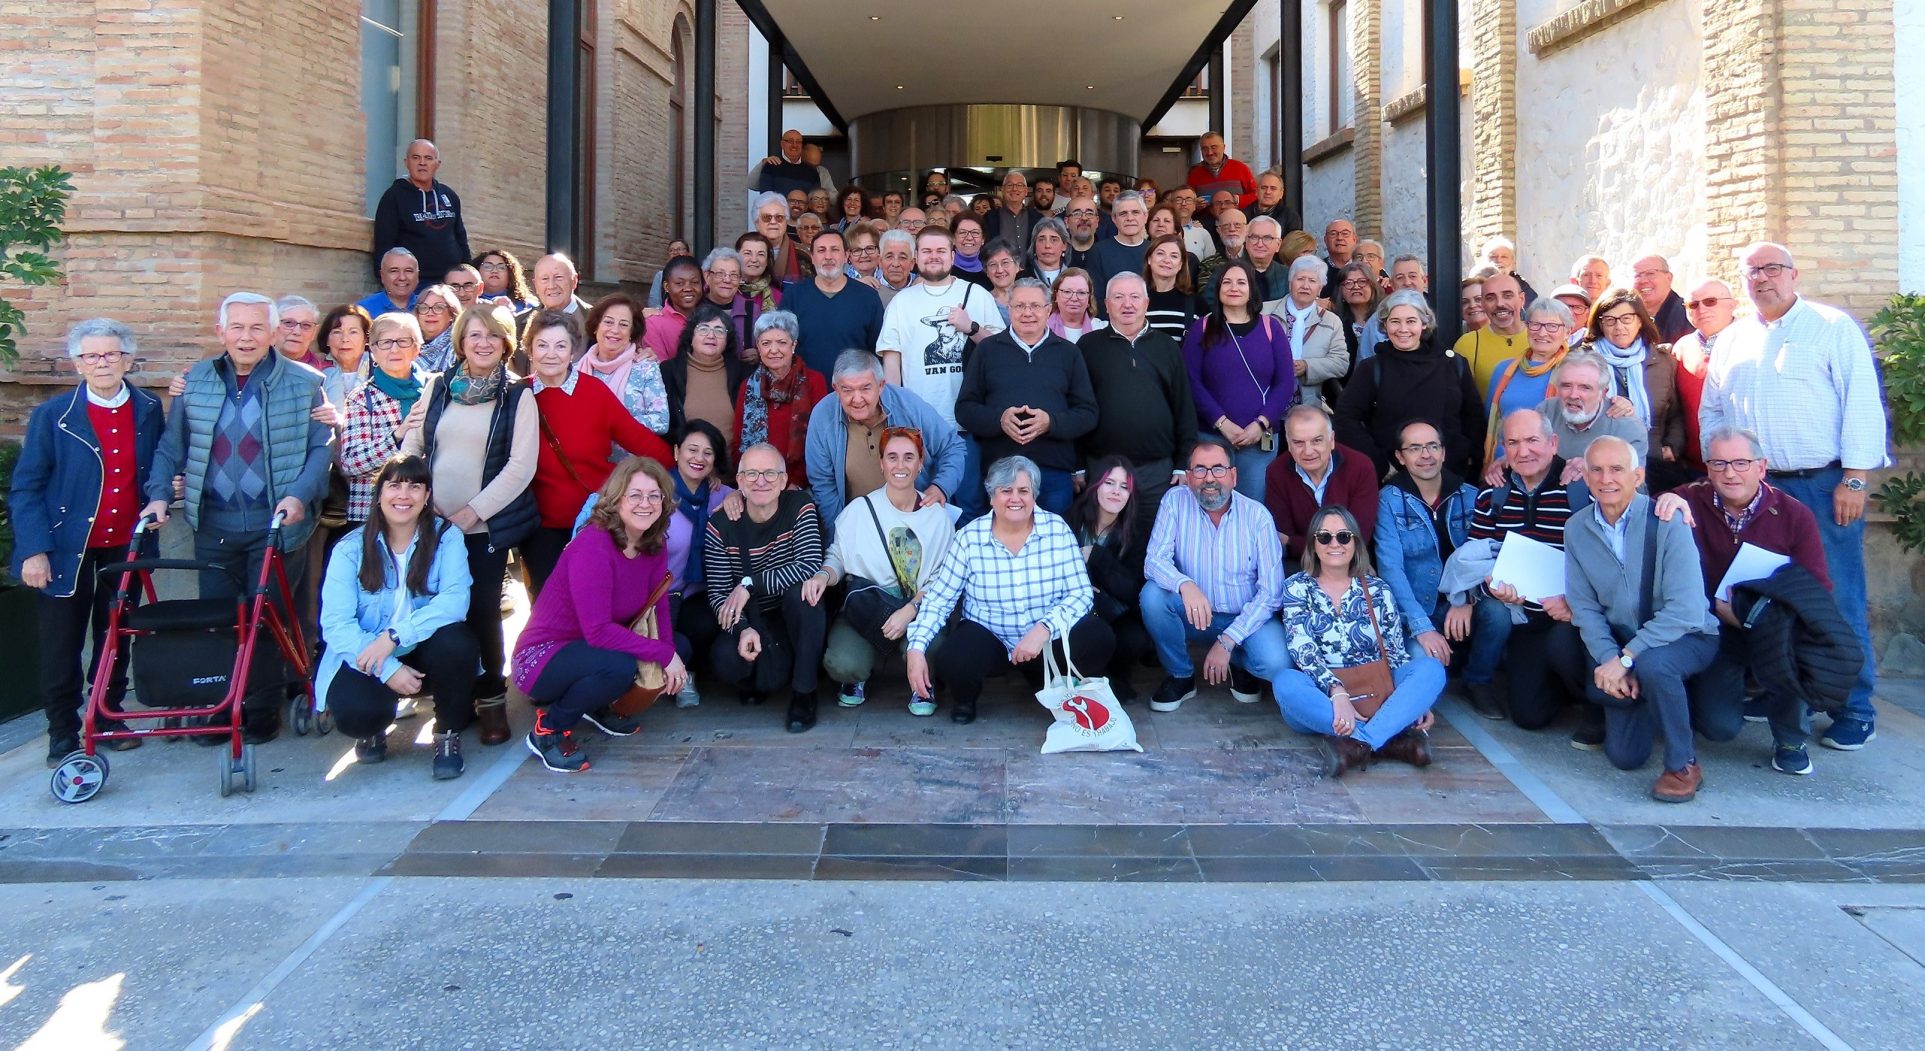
column 1324, row 352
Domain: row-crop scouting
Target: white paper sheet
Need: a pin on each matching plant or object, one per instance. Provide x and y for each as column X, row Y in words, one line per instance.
column 1751, row 563
column 1534, row 568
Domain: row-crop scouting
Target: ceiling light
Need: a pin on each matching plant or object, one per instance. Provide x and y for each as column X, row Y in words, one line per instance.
column 899, row 87
column 875, row 18
column 1089, row 87
column 1116, row 18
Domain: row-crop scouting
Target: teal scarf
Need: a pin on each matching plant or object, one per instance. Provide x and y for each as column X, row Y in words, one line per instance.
column 405, row 392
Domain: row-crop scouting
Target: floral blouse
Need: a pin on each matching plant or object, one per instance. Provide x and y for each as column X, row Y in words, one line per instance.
column 1322, row 635
column 645, row 396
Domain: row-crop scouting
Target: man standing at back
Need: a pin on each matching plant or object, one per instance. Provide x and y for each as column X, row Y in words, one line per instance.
column 421, row 215
column 1123, row 253
column 1012, row 219
column 1651, row 279
column 1219, row 171
column 1144, row 410
column 1800, row 375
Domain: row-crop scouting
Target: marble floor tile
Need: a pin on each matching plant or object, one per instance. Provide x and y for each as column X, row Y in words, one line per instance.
column 624, row 782
column 956, row 786
column 1457, row 787
column 1173, row 786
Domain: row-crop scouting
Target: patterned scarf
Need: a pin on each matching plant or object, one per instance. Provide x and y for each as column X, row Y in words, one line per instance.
column 763, row 392
column 1495, row 426
column 468, row 390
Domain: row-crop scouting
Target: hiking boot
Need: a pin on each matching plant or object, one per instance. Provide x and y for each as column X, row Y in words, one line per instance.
column 1411, row 746
column 447, row 756
column 492, row 714
column 1848, row 735
column 802, row 712
column 1171, row 694
column 372, row 749
column 851, row 695
column 1679, row 786
column 613, row 723
column 557, row 749
column 1245, row 687
column 1341, row 755
column 1485, row 700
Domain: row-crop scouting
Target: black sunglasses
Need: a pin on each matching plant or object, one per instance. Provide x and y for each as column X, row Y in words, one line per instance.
column 1341, row 536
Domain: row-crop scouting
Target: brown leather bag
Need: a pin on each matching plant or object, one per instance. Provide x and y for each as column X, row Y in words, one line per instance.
column 1368, row 684
column 650, row 677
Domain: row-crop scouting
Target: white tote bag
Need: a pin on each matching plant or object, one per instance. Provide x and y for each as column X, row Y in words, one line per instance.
column 1088, row 717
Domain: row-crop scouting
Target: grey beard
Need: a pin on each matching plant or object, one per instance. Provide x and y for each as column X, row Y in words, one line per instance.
column 1213, row 503
column 1582, row 419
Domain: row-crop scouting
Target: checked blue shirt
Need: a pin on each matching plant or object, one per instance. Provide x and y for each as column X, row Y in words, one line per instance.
column 1044, row 580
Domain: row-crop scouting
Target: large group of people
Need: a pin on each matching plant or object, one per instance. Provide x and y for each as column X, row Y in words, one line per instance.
column 1125, row 424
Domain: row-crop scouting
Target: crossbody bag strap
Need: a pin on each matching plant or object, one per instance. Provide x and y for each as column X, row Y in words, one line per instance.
column 1370, row 604
column 894, row 570
column 555, row 444
column 1645, row 583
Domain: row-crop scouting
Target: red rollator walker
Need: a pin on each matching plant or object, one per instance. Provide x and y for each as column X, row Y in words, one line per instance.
column 191, row 664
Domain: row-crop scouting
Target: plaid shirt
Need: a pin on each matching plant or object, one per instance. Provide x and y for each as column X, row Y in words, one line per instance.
column 367, row 442
column 1045, row 580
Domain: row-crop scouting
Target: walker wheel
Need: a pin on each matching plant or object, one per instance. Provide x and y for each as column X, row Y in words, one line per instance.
column 245, row 768
column 79, row 777
column 228, row 770
column 324, row 722
column 303, row 719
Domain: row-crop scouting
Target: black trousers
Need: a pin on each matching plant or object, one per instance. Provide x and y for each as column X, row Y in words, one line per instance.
column 242, row 552
column 539, row 554
column 580, row 679
column 364, row 705
column 793, row 634
column 1548, row 669
column 485, row 568
column 66, row 627
column 695, row 626
column 971, row 653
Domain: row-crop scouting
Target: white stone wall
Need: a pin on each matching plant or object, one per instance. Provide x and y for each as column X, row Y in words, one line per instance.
column 1406, row 218
column 1329, row 192
column 1910, row 76
column 1627, row 109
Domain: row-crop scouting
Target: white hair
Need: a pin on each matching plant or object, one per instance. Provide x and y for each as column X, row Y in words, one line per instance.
column 769, row 197
column 1500, row 241
column 854, row 362
column 895, row 235
column 1004, row 471
column 287, row 303
column 722, row 254
column 397, row 319
column 1126, row 195
column 1548, row 305
column 1263, row 219
column 1408, row 298
column 236, row 299
column 1125, row 275
column 1310, row 263
column 96, row 327
column 1410, row 257
column 1728, row 433
column 398, row 250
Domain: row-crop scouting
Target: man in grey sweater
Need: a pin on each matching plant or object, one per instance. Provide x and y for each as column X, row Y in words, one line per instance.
column 1643, row 656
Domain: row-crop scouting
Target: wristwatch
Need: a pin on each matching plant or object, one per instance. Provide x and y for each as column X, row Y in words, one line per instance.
column 394, row 636
column 748, row 583
column 975, row 327
column 1624, row 659
column 1856, row 485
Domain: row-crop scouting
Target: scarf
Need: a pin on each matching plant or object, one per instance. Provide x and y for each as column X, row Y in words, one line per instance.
column 694, row 506
column 968, row 264
column 405, row 392
column 467, row 390
column 762, row 392
column 438, row 353
column 760, row 295
column 1090, row 324
column 613, row 373
column 1627, row 374
column 1495, row 425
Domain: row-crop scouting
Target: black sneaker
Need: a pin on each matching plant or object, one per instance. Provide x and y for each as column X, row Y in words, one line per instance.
column 447, row 756
column 557, row 749
column 1245, row 687
column 802, row 712
column 1172, row 693
column 59, row 750
column 1589, row 735
column 612, row 723
column 1485, row 700
column 372, row 749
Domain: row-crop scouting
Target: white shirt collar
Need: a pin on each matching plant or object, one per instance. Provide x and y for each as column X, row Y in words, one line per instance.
column 120, row 397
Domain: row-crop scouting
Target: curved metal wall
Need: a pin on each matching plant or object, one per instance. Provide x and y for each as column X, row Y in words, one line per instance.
column 993, row 135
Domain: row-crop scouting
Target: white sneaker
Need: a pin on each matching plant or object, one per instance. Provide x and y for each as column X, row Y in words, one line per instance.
column 686, row 697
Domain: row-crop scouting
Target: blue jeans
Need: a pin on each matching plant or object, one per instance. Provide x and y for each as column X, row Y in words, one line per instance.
column 1055, row 492
column 1663, row 706
column 1307, row 709
column 1490, row 631
column 1252, row 462
column 1845, row 560
column 1264, row 654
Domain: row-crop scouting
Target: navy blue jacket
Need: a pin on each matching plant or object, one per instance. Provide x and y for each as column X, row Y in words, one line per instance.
column 57, row 483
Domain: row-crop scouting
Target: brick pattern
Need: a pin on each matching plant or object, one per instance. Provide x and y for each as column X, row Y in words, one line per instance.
column 1491, row 207
column 1245, row 71
column 1367, row 149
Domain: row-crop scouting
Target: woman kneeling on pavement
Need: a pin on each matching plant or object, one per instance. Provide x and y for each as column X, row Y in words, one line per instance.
column 393, row 614
column 887, row 547
column 1019, row 575
column 1338, row 616
column 578, row 655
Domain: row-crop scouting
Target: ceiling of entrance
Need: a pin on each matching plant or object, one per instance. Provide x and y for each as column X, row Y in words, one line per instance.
column 1117, row 55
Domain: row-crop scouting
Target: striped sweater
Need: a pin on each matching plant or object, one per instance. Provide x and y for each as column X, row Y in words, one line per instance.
column 1540, row 515
column 777, row 554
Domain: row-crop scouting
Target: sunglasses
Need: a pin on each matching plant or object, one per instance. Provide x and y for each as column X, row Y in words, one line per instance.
column 1341, row 536
column 1708, row 301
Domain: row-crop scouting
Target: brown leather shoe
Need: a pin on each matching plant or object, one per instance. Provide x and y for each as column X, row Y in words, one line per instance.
column 1343, row 754
column 1679, row 786
column 492, row 714
column 1408, row 747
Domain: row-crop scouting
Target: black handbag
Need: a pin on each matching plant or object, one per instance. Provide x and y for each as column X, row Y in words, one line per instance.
column 866, row 604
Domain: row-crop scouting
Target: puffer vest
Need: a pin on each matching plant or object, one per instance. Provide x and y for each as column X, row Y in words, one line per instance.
column 290, row 399
column 515, row 522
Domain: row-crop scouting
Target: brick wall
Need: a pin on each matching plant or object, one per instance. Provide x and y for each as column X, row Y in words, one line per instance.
column 1367, row 149
column 1491, row 205
column 1245, row 71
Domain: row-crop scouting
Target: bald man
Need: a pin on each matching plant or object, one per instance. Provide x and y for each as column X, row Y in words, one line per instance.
column 421, row 215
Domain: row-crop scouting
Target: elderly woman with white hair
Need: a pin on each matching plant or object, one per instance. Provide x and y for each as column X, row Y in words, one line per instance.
column 298, row 331
column 1019, row 574
column 1412, row 376
column 1316, row 335
column 383, row 410
column 90, row 446
column 435, row 310
column 777, row 398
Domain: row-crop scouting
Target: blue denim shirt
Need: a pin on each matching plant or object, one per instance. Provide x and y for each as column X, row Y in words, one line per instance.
column 1407, row 550
column 351, row 617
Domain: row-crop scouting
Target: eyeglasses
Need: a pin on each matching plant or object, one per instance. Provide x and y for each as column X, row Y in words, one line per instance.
column 712, row 329
column 465, row 286
column 105, row 357
column 1212, row 471
column 1731, row 465
column 1341, row 536
column 431, row 309
column 1708, row 301
column 1082, row 213
column 1544, row 326
column 494, row 268
column 394, row 344
column 298, row 326
column 651, row 497
column 1768, row 270
column 1263, row 237
column 863, row 250
column 1618, row 319
column 1069, row 292
column 760, row 476
column 1427, row 447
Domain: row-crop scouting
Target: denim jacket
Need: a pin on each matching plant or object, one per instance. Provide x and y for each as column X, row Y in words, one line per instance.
column 351, row 618
column 1407, row 552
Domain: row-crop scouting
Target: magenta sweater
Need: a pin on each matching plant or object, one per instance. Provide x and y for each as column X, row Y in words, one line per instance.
column 593, row 595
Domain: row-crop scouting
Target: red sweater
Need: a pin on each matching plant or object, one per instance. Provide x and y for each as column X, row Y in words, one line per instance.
column 119, row 498
column 1233, row 176
column 587, row 424
column 788, row 423
column 1352, row 486
column 1780, row 524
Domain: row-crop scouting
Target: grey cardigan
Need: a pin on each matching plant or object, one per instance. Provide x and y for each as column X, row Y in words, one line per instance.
column 1602, row 589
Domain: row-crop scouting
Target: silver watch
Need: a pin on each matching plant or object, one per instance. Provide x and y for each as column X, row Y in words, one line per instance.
column 1856, row 485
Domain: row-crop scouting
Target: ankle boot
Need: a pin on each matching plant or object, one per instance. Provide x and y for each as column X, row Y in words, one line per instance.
column 492, row 714
column 1342, row 755
column 1408, row 747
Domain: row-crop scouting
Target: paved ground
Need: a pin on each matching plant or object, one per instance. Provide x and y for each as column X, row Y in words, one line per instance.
column 891, row 881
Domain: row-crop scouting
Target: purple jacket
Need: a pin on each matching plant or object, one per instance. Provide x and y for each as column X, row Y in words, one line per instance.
column 1223, row 386
column 593, row 595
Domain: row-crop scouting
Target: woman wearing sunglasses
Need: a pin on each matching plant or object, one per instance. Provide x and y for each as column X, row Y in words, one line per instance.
column 1336, row 615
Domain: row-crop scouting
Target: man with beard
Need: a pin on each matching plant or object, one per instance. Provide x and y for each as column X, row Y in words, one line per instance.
column 1230, row 230
column 1423, row 515
column 1214, row 574
column 1042, row 194
column 1196, row 236
column 833, row 312
column 1577, row 414
column 926, row 325
column 1504, row 338
column 1080, row 219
